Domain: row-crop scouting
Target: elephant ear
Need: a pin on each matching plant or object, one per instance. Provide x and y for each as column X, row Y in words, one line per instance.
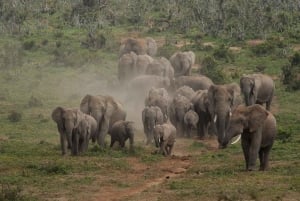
column 256, row 115
column 210, row 102
column 84, row 105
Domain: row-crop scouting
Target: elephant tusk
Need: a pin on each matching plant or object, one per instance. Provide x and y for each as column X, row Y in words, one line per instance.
column 238, row 138
column 215, row 119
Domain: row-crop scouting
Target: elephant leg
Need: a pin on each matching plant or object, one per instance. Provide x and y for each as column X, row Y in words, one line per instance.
column 245, row 147
column 268, row 105
column 63, row 144
column 163, row 148
column 75, row 139
column 264, row 160
column 170, row 149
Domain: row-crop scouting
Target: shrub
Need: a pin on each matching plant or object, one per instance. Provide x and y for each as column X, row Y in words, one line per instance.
column 291, row 73
column 223, row 53
column 29, row 45
column 15, row 116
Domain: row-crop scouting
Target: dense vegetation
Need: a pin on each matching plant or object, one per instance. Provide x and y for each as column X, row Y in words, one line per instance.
column 52, row 52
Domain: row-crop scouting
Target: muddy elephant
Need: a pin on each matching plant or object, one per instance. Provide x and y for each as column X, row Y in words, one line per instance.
column 258, row 129
column 190, row 119
column 139, row 46
column 178, row 108
column 164, row 136
column 158, row 97
column 182, row 62
column 199, row 82
column 81, row 135
column 121, row 131
column 67, row 119
column 185, row 91
column 161, row 67
column 106, row 110
column 221, row 100
column 151, row 116
column 257, row 88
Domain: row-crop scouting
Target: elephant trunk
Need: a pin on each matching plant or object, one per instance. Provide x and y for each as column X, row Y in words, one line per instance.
column 221, row 122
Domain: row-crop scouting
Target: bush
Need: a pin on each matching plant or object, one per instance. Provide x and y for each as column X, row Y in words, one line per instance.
column 291, row 73
column 223, row 53
column 284, row 135
column 28, row 45
column 9, row 193
column 14, row 116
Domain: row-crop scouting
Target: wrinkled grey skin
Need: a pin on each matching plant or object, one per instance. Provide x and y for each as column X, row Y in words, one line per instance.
column 158, row 97
column 164, row 136
column 191, row 120
column 81, row 135
column 139, row 46
column 126, row 67
column 151, row 117
column 121, row 131
column 182, row 62
column 141, row 64
column 106, row 111
column 67, row 120
column 161, row 67
column 258, row 129
column 200, row 102
column 222, row 99
column 257, row 88
column 195, row 82
column 185, row 91
column 178, row 108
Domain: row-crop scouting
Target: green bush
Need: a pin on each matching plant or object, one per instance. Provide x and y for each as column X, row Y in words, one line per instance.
column 223, row 53
column 291, row 73
column 15, row 116
column 29, row 45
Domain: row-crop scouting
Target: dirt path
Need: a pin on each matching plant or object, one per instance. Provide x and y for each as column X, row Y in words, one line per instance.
column 142, row 176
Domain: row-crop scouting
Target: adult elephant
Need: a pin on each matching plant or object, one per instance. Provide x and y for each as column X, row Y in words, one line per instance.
column 182, row 62
column 178, row 108
column 200, row 82
column 139, row 46
column 161, row 67
column 158, row 97
column 257, row 88
column 67, row 120
column 151, row 117
column 106, row 110
column 258, row 129
column 185, row 91
column 141, row 64
column 221, row 100
column 127, row 66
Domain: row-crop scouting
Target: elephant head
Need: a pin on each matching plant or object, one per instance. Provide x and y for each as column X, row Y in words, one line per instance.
column 220, row 102
column 245, row 118
column 67, row 120
column 247, row 85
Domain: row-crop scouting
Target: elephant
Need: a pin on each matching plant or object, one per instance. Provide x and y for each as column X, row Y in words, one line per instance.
column 190, row 119
column 126, row 66
column 221, row 100
column 141, row 64
column 106, row 110
column 200, row 102
column 151, row 116
column 182, row 62
column 257, row 88
column 121, row 131
column 160, row 67
column 158, row 97
column 185, row 91
column 199, row 82
column 81, row 135
column 139, row 46
column 164, row 136
column 178, row 108
column 258, row 129
column 67, row 119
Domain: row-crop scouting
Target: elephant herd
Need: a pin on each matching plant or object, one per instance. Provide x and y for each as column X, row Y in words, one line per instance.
column 175, row 104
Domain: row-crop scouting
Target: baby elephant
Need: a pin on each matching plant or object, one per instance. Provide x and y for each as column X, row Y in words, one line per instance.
column 164, row 136
column 81, row 135
column 190, row 119
column 121, row 131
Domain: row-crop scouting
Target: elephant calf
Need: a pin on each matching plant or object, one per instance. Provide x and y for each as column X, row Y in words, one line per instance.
column 81, row 135
column 121, row 131
column 164, row 136
column 258, row 129
column 191, row 119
